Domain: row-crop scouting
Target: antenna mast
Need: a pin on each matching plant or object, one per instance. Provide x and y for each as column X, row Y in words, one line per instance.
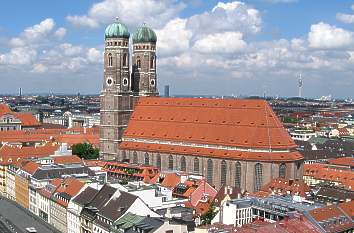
column 300, row 84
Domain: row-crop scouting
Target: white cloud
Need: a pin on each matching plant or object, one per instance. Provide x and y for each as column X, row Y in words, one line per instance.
column 346, row 18
column 39, row 68
column 233, row 16
column 132, row 13
column 82, row 21
column 39, row 31
column 173, row 33
column 227, row 42
column 60, row 32
column 94, row 55
column 70, row 50
column 19, row 56
column 325, row 36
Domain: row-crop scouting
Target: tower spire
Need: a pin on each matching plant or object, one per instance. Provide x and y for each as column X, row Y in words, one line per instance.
column 300, row 83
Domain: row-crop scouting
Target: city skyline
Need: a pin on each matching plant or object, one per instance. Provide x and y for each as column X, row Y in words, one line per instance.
column 213, row 48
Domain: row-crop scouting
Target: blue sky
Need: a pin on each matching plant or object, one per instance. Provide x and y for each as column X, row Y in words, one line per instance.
column 204, row 47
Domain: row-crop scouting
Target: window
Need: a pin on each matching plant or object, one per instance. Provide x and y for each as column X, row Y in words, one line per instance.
column 196, row 165
column 124, row 155
column 238, row 175
column 138, row 62
column 125, row 81
column 282, row 170
column 210, row 171
column 158, row 161
column 170, row 162
column 223, row 168
column 135, row 157
column 152, row 62
column 147, row 159
column 183, row 163
column 125, row 59
column 110, row 60
column 258, row 178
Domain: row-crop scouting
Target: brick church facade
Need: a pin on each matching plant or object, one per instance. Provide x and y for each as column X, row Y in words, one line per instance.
column 229, row 141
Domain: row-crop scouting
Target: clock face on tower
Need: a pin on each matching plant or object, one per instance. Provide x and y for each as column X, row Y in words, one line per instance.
column 125, row 82
column 152, row 82
column 109, row 81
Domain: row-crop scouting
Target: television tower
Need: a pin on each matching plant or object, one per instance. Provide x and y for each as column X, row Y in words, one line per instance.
column 300, row 84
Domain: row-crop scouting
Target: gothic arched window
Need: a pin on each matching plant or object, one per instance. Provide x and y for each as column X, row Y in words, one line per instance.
column 158, row 161
column 238, row 174
column 138, row 62
column 223, row 168
column 124, row 155
column 110, row 60
column 196, row 165
column 152, row 62
column 183, row 163
column 135, row 157
column 170, row 162
column 146, row 159
column 282, row 170
column 210, row 171
column 125, row 59
column 258, row 178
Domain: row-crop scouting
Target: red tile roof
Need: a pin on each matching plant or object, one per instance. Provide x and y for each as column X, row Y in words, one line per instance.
column 329, row 213
column 348, row 208
column 241, row 123
column 70, row 136
column 326, row 173
column 28, row 152
column 344, row 161
column 30, row 167
column 282, row 186
column 67, row 159
column 210, row 152
column 171, row 180
column 4, row 109
column 286, row 226
column 216, row 122
column 27, row 119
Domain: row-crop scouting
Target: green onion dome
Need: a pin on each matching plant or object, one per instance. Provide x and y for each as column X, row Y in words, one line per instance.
column 117, row 30
column 144, row 35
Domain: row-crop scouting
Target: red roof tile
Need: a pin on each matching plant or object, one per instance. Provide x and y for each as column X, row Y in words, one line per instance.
column 209, row 152
column 67, row 159
column 30, row 167
column 171, row 180
column 344, row 161
column 27, row 119
column 4, row 109
column 239, row 123
column 28, row 152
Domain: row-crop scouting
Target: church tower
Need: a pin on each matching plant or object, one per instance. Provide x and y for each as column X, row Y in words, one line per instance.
column 144, row 79
column 116, row 96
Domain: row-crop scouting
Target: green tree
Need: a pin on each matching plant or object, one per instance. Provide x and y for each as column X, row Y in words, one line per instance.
column 85, row 151
column 209, row 215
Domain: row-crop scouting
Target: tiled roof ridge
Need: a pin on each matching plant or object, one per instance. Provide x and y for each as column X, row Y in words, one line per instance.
column 345, row 214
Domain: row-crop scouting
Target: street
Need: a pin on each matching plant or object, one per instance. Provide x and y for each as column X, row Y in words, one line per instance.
column 14, row 218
